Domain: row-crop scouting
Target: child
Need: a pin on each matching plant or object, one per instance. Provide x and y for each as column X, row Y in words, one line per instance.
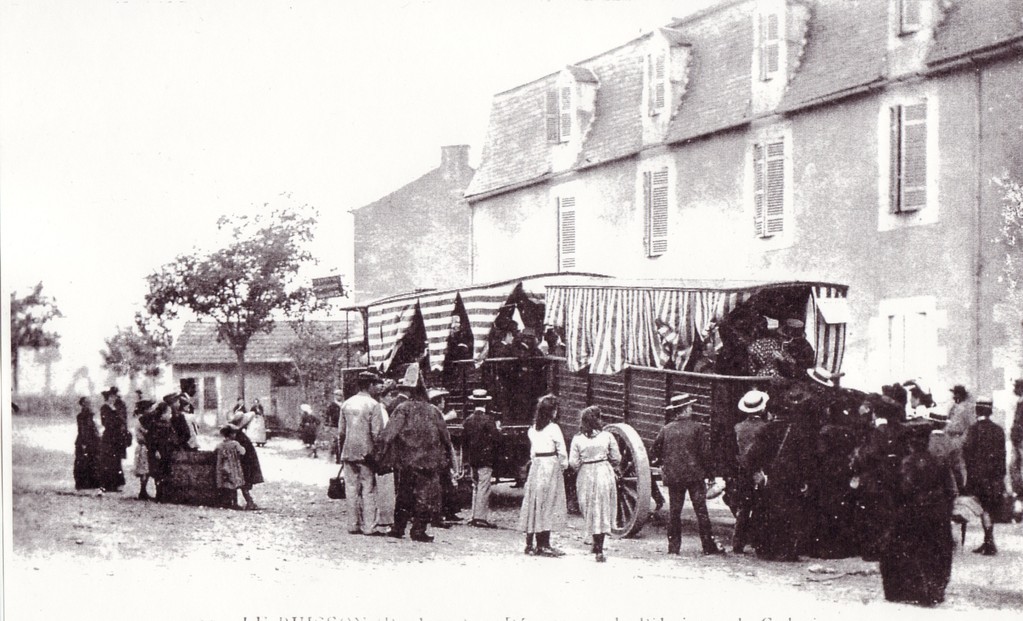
column 229, row 467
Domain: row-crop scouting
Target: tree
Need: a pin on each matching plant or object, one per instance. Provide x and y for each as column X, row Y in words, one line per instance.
column 138, row 350
column 29, row 318
column 313, row 356
column 244, row 286
column 1010, row 235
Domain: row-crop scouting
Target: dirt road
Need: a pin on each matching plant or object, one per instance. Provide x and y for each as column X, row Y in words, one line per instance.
column 79, row 555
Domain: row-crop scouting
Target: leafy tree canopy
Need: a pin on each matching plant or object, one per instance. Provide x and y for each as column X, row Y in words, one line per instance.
column 30, row 318
column 138, row 350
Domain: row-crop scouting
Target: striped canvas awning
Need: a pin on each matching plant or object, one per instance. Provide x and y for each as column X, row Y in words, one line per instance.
column 390, row 318
column 826, row 313
column 612, row 324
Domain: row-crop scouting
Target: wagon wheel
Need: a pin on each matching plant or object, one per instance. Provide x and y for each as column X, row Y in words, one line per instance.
column 634, row 486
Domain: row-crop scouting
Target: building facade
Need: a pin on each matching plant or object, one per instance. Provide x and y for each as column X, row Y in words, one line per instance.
column 419, row 235
column 844, row 141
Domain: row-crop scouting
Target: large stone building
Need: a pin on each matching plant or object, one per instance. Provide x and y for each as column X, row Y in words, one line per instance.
column 850, row 141
column 417, row 236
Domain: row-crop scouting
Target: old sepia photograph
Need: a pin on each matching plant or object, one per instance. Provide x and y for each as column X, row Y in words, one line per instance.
column 511, row 310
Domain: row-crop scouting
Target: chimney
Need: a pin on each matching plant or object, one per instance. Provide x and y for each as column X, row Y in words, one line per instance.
column 454, row 161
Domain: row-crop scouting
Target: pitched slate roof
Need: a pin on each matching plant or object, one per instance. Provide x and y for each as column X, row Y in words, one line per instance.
column 976, row 25
column 197, row 343
column 846, row 46
column 718, row 93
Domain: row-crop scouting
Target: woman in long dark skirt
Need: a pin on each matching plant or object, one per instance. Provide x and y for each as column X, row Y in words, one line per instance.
column 916, row 560
column 250, row 461
column 86, row 448
column 113, row 444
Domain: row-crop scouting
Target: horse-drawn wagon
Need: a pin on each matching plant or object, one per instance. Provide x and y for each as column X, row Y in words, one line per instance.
column 625, row 345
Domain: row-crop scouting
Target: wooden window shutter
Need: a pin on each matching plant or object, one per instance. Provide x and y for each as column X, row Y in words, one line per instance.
column 895, row 160
column 647, row 197
column 565, row 121
column 552, row 110
column 774, row 220
column 758, row 190
column 914, row 157
column 658, row 231
column 769, row 46
column 566, row 233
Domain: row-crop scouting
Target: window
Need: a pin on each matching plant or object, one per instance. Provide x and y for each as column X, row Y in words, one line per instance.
column 656, row 82
column 209, row 393
column 908, row 160
column 908, row 338
column 566, row 233
column 559, row 114
column 770, row 45
column 909, row 16
column 655, row 212
column 769, row 188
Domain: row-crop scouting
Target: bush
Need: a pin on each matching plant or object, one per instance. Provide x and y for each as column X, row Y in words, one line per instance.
column 46, row 406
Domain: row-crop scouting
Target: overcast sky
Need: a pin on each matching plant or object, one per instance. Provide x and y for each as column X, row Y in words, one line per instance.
column 127, row 128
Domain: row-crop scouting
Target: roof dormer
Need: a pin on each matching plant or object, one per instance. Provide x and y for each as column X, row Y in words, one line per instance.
column 665, row 76
column 779, row 37
column 911, row 26
column 570, row 104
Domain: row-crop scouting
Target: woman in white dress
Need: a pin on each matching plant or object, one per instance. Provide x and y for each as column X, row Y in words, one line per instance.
column 595, row 456
column 543, row 506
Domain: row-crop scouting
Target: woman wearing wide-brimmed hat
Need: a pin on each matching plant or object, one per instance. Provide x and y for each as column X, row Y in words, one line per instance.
column 595, row 455
column 544, row 506
column 114, row 442
column 250, row 461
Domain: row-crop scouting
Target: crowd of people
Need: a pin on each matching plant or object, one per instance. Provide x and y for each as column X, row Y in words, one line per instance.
column 162, row 428
column 822, row 471
column 832, row 473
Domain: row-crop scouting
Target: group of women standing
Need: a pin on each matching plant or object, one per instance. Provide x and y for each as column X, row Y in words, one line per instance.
column 594, row 454
column 98, row 455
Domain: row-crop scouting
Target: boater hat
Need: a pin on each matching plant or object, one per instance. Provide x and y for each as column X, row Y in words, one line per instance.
column 754, row 401
column 480, row 395
column 680, row 401
column 821, row 375
column 436, row 393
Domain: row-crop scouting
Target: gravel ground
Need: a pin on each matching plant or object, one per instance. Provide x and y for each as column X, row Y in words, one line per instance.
column 80, row 555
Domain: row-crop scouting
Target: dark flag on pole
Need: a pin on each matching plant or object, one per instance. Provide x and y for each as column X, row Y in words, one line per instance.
column 329, row 287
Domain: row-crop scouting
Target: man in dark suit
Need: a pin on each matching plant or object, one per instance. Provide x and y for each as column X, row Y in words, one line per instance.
column 747, row 514
column 984, row 454
column 683, row 448
column 875, row 465
column 481, row 442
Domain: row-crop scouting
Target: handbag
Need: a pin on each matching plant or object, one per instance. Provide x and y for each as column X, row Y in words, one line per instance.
column 336, row 487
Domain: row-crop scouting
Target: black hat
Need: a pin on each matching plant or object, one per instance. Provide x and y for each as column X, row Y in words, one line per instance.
column 959, row 390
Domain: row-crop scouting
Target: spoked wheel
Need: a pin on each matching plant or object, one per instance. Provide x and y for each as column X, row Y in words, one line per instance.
column 634, row 486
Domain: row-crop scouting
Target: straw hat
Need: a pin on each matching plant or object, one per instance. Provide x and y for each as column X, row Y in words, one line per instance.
column 754, row 401
column 680, row 401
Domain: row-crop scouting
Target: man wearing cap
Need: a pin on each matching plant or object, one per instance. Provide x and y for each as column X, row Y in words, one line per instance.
column 360, row 424
column 984, row 454
column 798, row 352
column 481, row 443
column 448, row 494
column 747, row 514
column 416, row 445
column 683, row 448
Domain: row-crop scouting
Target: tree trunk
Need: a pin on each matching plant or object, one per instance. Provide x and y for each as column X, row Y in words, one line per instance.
column 14, row 370
column 241, row 372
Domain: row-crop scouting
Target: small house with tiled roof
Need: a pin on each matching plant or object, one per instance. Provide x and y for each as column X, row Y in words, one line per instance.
column 417, row 236
column 207, row 369
column 851, row 141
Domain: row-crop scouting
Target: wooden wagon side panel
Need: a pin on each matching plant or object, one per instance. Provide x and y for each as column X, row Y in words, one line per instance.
column 646, row 400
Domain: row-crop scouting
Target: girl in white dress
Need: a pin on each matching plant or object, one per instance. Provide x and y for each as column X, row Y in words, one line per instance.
column 595, row 456
column 543, row 506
